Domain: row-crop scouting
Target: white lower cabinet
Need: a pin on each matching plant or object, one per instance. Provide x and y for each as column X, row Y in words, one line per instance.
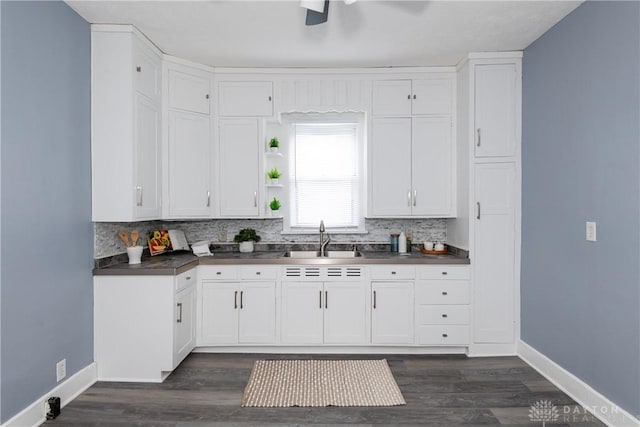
column 238, row 312
column 144, row 326
column 392, row 312
column 442, row 298
column 324, row 313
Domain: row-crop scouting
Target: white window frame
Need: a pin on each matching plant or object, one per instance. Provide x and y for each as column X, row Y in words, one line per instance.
column 288, row 121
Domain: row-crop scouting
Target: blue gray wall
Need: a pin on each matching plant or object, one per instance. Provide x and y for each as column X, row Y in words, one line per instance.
column 581, row 162
column 46, row 309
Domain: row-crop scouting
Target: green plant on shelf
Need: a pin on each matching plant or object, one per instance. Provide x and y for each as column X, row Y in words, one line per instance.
column 246, row 235
column 274, row 143
column 275, row 204
column 274, row 174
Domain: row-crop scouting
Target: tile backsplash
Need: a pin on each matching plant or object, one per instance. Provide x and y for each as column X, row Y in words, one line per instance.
column 107, row 243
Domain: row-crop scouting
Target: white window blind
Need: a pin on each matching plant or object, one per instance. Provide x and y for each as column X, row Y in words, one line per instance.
column 326, row 181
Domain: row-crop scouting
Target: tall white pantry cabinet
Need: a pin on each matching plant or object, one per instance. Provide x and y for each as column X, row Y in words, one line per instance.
column 488, row 221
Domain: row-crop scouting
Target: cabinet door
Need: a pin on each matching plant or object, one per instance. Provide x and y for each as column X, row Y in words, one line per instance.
column 432, row 171
column 189, row 165
column 189, row 92
column 302, row 306
column 493, row 253
column 239, row 168
column 432, row 96
column 392, row 313
column 495, row 110
column 220, row 302
column 392, row 98
column 246, row 99
column 345, row 313
column 257, row 321
column 391, row 167
column 147, row 162
column 185, row 324
column 147, row 75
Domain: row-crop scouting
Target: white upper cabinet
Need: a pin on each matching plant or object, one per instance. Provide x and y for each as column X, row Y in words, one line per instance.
column 125, row 125
column 496, row 95
column 245, row 99
column 430, row 95
column 188, row 180
column 240, row 177
column 189, row 165
column 391, row 184
column 432, row 166
column 189, row 91
column 392, row 98
column 412, row 167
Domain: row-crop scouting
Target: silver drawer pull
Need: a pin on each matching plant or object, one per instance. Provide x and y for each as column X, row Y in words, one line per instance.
column 257, row 273
column 444, row 335
column 188, row 277
column 393, row 273
column 445, row 293
column 444, row 315
column 444, row 273
column 218, row 273
column 138, row 69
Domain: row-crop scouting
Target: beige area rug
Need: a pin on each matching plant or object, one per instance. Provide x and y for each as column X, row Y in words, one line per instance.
column 284, row 383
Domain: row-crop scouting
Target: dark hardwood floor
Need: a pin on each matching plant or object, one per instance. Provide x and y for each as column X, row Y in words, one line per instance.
column 206, row 390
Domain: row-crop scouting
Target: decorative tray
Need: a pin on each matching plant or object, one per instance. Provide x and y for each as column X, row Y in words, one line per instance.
column 434, row 252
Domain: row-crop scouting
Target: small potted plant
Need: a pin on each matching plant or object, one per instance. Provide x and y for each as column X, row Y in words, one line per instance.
column 274, row 144
column 274, row 175
column 275, row 206
column 246, row 238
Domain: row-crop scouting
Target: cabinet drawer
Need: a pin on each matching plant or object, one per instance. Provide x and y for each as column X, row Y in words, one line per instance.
column 392, row 272
column 442, row 315
column 185, row 279
column 443, row 272
column 258, row 272
column 211, row 272
column 430, row 292
column 442, row 335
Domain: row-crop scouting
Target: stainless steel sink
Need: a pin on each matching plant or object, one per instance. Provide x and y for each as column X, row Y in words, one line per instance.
column 316, row 254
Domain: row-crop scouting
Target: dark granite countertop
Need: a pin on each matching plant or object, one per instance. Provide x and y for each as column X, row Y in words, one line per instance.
column 176, row 263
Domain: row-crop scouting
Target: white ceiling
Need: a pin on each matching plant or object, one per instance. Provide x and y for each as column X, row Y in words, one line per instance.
column 368, row 33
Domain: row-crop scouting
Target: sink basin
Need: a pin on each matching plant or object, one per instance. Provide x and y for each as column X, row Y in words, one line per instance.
column 316, row 254
column 302, row 254
column 343, row 254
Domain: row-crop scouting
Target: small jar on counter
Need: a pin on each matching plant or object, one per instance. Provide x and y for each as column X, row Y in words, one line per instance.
column 395, row 237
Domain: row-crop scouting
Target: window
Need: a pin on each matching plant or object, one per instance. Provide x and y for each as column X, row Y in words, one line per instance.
column 326, row 178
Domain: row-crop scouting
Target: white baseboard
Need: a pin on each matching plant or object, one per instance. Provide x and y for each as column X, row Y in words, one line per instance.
column 35, row 413
column 597, row 404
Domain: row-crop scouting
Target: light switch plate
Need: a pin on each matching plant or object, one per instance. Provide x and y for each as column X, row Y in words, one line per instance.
column 591, row 231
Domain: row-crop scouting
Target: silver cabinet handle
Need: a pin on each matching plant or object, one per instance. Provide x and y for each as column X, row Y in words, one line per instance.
column 180, row 315
column 139, row 195
column 374, row 299
column 188, row 278
column 218, row 273
column 478, row 204
column 479, row 137
column 138, row 69
column 258, row 273
column 235, row 300
column 409, row 198
column 206, row 96
column 241, row 304
column 409, row 96
column 415, row 196
column 269, row 98
column 208, row 198
column 445, row 293
column 444, row 335
column 255, row 199
column 320, row 295
column 326, row 299
column 414, row 96
column 445, row 316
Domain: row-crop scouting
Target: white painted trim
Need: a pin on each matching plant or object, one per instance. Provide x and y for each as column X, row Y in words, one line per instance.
column 330, row 349
column 597, row 404
column 35, row 413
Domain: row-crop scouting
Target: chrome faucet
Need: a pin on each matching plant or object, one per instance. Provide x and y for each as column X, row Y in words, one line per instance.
column 323, row 243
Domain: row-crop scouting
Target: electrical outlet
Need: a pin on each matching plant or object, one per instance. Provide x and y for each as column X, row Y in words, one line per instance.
column 591, row 231
column 61, row 370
